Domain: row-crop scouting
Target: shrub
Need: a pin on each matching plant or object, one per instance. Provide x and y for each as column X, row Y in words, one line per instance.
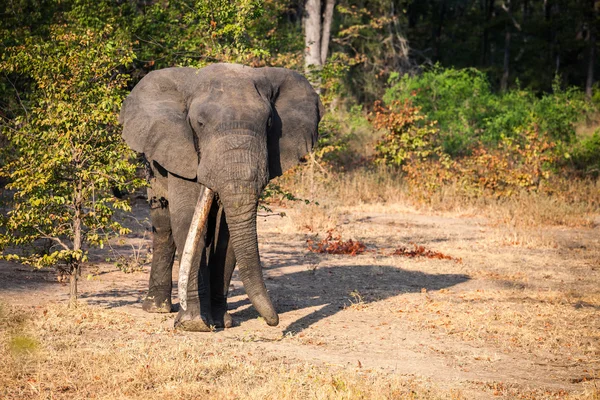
column 469, row 114
column 342, row 139
column 524, row 160
column 408, row 134
column 459, row 100
column 586, row 156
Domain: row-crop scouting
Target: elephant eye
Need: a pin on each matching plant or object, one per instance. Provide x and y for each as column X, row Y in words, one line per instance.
column 269, row 122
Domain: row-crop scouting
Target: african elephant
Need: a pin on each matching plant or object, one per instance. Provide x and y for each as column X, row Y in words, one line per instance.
column 219, row 132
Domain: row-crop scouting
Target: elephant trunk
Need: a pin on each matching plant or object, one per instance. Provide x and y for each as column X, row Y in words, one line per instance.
column 241, row 219
column 236, row 168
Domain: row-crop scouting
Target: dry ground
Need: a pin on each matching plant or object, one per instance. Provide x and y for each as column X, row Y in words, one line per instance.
column 513, row 319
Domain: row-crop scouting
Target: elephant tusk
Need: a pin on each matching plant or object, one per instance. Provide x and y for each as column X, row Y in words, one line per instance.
column 191, row 243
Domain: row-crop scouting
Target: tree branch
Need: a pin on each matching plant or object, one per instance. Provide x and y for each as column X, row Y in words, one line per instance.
column 56, row 239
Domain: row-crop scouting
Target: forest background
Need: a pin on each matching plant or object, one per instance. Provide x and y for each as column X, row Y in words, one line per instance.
column 443, row 103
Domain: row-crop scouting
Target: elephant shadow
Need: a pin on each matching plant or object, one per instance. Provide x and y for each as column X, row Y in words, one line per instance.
column 331, row 288
column 115, row 298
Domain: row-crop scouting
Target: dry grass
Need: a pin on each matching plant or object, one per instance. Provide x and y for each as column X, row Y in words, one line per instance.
column 548, row 325
column 332, row 194
column 547, row 311
column 355, row 187
column 589, row 125
column 313, row 218
column 522, row 220
column 91, row 353
column 540, row 311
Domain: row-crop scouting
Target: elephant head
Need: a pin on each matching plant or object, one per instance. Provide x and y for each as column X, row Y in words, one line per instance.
column 231, row 128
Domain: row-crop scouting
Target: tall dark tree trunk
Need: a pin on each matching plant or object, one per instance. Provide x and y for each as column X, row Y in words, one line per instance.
column 591, row 39
column 589, row 83
column 506, row 64
column 551, row 9
column 485, row 46
column 507, row 37
column 438, row 32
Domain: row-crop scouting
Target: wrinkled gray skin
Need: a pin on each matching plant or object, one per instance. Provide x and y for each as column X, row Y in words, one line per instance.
column 229, row 128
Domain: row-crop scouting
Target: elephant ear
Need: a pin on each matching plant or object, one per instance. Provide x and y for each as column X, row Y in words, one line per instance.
column 154, row 118
column 296, row 114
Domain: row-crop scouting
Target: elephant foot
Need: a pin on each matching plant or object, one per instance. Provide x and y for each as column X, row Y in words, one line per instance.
column 192, row 320
column 220, row 315
column 222, row 319
column 157, row 303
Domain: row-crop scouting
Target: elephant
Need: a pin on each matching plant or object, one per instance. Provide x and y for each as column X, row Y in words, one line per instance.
column 213, row 137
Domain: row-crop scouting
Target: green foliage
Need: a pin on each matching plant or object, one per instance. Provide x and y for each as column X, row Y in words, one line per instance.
column 458, row 100
column 343, row 137
column 275, row 194
column 370, row 36
column 332, row 77
column 468, row 112
column 332, row 146
column 446, row 127
column 196, row 33
column 521, row 162
column 585, row 156
column 65, row 150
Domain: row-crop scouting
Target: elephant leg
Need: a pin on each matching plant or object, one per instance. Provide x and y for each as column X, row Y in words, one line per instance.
column 158, row 299
column 183, row 195
column 222, row 264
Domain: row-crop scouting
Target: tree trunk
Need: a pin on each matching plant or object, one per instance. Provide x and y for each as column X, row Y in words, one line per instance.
column 485, row 46
column 312, row 34
column 506, row 66
column 506, row 71
column 326, row 35
column 438, row 32
column 74, row 273
column 552, row 35
column 589, row 83
column 317, row 33
column 77, row 245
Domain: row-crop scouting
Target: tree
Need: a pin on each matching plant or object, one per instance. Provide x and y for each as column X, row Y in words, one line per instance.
column 371, row 36
column 317, row 32
column 205, row 31
column 592, row 23
column 65, row 152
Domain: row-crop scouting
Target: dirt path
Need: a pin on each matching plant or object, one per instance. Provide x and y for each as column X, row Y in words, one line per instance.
column 495, row 319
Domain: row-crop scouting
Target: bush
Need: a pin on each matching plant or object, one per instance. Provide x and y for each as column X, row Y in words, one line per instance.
column 408, row 136
column 458, row 100
column 343, row 137
column 524, row 161
column 469, row 114
column 585, row 158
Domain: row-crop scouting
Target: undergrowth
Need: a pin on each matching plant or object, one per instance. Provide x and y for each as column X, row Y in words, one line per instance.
column 445, row 142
